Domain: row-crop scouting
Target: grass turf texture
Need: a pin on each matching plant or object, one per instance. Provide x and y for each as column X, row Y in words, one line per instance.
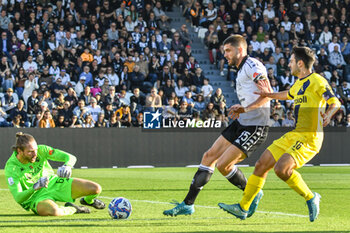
column 151, row 190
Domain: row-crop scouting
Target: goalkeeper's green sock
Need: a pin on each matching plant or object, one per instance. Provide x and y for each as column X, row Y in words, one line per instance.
column 90, row 199
column 67, row 210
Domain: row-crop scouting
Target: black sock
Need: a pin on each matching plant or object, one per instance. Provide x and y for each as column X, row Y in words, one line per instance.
column 201, row 177
column 237, row 178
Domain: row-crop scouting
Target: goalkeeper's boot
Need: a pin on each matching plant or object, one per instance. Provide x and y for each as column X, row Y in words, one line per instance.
column 255, row 204
column 180, row 209
column 97, row 204
column 80, row 209
column 314, row 206
column 235, row 210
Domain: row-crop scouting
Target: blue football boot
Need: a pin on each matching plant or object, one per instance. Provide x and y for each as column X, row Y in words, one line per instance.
column 235, row 210
column 314, row 206
column 180, row 209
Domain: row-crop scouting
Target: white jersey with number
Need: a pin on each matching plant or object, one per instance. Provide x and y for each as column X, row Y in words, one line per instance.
column 249, row 72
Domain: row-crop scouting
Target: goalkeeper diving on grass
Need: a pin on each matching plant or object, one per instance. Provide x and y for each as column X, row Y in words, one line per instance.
column 36, row 187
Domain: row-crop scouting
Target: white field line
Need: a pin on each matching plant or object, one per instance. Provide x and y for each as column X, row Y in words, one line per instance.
column 203, row 206
column 214, row 207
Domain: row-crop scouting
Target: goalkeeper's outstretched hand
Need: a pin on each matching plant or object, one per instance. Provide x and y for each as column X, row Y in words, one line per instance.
column 64, row 171
column 43, row 182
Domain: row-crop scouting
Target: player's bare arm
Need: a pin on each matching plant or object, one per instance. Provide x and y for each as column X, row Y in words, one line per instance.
column 263, row 85
column 327, row 116
column 282, row 95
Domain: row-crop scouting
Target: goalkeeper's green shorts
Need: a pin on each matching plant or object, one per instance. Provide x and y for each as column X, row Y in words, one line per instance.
column 59, row 189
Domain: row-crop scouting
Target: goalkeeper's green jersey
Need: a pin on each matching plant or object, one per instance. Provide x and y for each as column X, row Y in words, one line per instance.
column 21, row 177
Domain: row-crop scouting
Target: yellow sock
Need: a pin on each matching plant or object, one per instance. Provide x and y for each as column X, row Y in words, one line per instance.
column 297, row 183
column 254, row 185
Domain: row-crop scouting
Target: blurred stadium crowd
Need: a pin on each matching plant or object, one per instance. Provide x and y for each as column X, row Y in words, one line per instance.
column 103, row 63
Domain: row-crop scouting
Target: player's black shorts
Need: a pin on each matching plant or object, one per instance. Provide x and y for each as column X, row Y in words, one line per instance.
column 246, row 138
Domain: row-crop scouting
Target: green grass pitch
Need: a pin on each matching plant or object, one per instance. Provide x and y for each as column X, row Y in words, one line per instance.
column 151, row 190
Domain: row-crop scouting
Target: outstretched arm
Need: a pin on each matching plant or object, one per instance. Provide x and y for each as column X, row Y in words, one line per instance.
column 282, row 95
column 266, row 91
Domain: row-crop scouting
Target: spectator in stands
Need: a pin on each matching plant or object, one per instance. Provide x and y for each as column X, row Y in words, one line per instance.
column 124, row 116
column 338, row 120
column 88, row 122
column 123, row 98
column 5, row 43
column 213, row 48
column 137, row 102
column 275, row 121
column 184, row 111
column 210, row 14
column 345, row 49
column 206, row 90
column 177, row 44
column 168, row 89
column 336, row 59
column 80, row 86
column 138, row 80
column 101, row 122
column 59, row 101
column 271, row 65
column 33, row 103
column 19, row 110
column 196, row 13
column 217, row 98
column 267, row 43
column 184, row 35
column 93, row 109
column 30, row 65
column 289, row 121
column 325, row 36
column 198, row 78
column 348, row 120
column 153, row 101
column 47, row 121
column 139, row 121
column 164, row 76
column 169, row 111
column 344, row 93
column 88, row 76
column 333, row 44
column 67, row 112
column 312, row 37
column 112, row 98
column 199, row 104
column 8, row 101
column 210, row 112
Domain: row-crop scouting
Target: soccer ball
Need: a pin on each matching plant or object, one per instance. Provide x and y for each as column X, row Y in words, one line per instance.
column 119, row 208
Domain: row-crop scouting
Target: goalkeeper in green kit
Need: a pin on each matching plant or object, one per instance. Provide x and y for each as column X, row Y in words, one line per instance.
column 35, row 187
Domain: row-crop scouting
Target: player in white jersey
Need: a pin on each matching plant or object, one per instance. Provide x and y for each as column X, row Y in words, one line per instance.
column 247, row 131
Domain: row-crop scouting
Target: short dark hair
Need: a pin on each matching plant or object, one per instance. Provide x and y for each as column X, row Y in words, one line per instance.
column 304, row 54
column 236, row 41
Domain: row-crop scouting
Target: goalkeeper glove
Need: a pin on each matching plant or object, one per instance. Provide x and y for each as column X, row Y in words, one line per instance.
column 64, row 171
column 43, row 182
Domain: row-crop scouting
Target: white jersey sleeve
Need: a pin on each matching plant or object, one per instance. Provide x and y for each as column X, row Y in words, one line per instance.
column 248, row 74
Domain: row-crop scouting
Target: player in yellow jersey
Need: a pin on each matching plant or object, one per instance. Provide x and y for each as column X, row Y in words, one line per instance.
column 311, row 94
